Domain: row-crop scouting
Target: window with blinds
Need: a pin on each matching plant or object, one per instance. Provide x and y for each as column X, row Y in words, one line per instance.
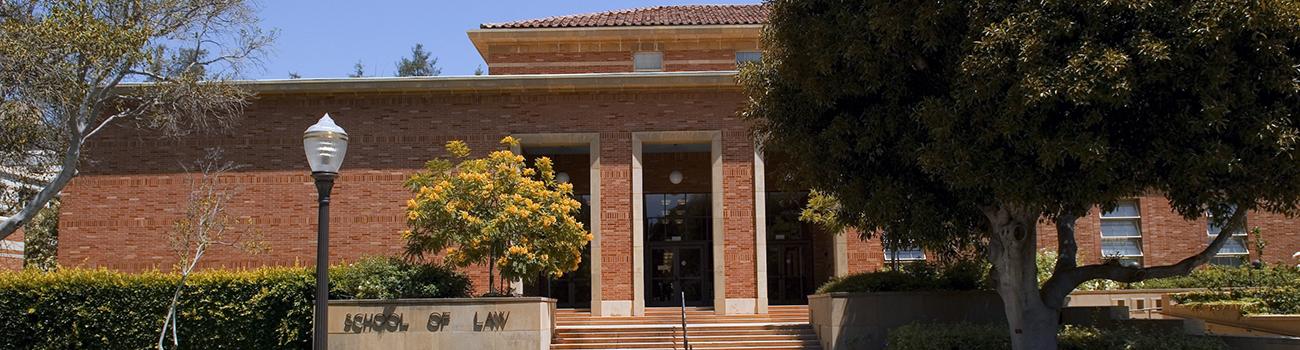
column 1121, row 233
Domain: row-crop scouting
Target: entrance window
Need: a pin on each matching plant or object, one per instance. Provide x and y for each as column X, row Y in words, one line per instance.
column 678, row 217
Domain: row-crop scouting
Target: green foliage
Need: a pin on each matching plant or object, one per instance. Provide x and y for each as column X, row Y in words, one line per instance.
column 495, row 210
column 420, row 64
column 1228, row 277
column 393, row 278
column 267, row 308
column 915, row 276
column 949, row 121
column 42, row 239
column 358, row 70
column 1279, row 300
column 984, row 336
column 82, row 309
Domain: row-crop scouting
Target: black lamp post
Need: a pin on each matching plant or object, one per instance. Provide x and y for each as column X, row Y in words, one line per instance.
column 326, row 144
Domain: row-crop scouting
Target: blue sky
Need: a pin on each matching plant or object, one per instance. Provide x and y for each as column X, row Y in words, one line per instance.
column 324, row 38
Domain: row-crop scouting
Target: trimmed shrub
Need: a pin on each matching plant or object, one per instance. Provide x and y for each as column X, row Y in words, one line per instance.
column 968, row 336
column 1281, row 300
column 1218, row 277
column 100, row 309
column 915, row 276
column 393, row 278
column 267, row 308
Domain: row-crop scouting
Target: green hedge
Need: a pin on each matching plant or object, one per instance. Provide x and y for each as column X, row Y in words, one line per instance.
column 1207, row 276
column 1280, row 300
column 915, row 276
column 988, row 337
column 266, row 308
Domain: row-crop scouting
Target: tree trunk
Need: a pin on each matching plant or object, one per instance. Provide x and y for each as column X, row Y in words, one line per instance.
column 1012, row 245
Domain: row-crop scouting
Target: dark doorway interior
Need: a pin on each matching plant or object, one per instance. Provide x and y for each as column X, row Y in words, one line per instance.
column 678, row 224
column 573, row 289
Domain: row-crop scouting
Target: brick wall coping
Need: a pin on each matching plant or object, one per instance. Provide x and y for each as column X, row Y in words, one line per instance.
column 494, row 83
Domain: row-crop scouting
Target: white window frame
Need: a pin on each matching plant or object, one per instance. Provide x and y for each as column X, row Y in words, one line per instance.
column 889, row 255
column 1239, row 235
column 1137, row 204
column 636, row 59
column 739, row 62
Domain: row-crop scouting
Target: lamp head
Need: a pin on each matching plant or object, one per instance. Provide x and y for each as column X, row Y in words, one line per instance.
column 325, row 144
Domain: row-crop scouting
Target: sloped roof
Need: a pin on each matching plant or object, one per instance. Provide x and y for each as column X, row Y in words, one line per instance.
column 648, row 16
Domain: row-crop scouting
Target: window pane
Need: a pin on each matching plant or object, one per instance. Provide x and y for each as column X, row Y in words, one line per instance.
column 912, row 253
column 747, row 56
column 1120, row 228
column 1123, row 209
column 1234, row 245
column 1234, row 260
column 648, row 60
column 1121, row 247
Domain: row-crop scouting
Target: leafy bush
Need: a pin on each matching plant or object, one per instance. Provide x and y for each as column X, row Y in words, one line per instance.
column 1222, row 277
column 968, row 336
column 267, row 308
column 1280, row 300
column 100, row 309
column 392, row 278
column 915, row 276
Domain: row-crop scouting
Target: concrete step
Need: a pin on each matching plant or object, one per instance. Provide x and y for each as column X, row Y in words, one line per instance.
column 572, row 333
column 748, row 344
column 622, row 338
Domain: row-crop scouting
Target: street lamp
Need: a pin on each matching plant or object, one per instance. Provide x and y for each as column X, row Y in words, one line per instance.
column 326, row 144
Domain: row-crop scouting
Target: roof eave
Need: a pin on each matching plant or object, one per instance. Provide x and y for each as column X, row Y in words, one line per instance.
column 495, row 83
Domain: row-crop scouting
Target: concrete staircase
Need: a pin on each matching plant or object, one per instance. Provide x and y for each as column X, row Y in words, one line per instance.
column 784, row 327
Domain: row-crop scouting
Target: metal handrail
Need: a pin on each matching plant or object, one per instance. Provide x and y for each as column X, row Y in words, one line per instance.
column 686, row 339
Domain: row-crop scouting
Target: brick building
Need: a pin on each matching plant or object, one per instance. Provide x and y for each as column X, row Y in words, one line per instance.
column 640, row 110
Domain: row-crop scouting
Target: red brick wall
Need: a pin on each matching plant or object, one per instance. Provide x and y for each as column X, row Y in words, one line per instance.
column 8, row 262
column 117, row 212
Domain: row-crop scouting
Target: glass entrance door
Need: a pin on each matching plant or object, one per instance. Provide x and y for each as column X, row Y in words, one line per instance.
column 679, row 262
column 678, row 273
column 790, row 268
column 788, row 279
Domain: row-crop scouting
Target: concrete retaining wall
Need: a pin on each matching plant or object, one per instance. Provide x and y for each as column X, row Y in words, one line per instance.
column 863, row 320
column 456, row 323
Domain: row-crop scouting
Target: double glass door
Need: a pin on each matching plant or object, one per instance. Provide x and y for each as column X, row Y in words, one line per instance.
column 789, row 277
column 678, row 246
column 679, row 272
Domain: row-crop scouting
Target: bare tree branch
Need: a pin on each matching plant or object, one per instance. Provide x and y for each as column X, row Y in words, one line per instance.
column 1064, row 281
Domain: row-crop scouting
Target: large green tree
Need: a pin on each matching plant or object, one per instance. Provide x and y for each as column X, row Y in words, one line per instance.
column 957, row 119
column 69, row 69
column 420, row 64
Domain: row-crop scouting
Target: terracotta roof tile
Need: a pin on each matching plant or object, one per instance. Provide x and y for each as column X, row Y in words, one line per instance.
column 649, row 16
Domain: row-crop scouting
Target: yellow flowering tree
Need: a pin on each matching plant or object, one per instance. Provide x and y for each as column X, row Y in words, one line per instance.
column 496, row 211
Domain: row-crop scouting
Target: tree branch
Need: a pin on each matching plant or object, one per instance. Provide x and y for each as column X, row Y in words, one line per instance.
column 1064, row 282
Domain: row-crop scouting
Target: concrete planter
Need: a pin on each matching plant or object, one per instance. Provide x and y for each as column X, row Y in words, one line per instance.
column 1231, row 315
column 455, row 323
column 863, row 320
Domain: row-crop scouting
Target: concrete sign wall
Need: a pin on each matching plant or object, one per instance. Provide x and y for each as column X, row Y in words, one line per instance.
column 460, row 323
